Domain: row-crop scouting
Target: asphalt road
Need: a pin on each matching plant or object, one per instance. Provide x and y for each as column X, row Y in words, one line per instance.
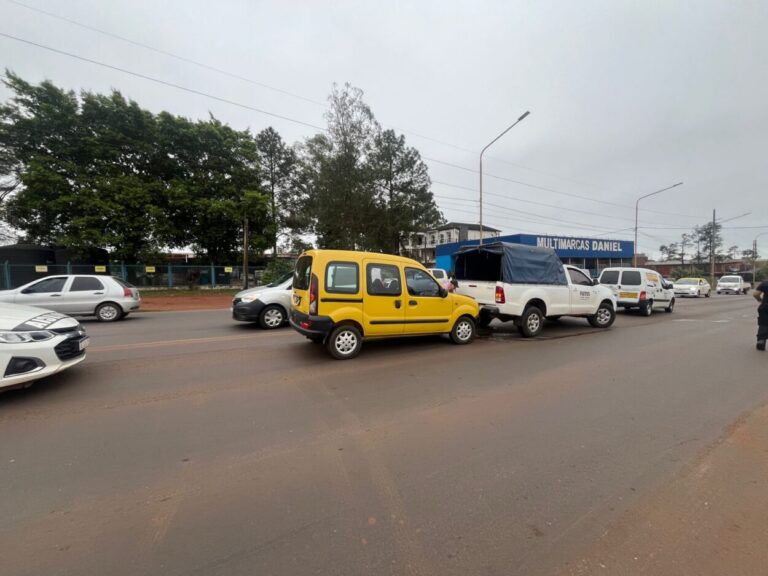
column 189, row 444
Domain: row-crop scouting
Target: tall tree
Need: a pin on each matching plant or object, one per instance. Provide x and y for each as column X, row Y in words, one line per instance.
column 365, row 188
column 710, row 239
column 278, row 180
column 403, row 200
column 669, row 251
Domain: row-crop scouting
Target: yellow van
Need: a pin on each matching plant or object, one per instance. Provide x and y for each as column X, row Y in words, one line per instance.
column 341, row 297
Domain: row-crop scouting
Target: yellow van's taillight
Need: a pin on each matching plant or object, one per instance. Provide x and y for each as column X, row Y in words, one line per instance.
column 313, row 290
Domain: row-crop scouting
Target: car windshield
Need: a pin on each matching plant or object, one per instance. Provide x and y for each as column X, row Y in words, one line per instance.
column 687, row 281
column 280, row 280
column 730, row 279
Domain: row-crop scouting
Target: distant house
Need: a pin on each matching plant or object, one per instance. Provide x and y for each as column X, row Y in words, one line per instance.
column 421, row 245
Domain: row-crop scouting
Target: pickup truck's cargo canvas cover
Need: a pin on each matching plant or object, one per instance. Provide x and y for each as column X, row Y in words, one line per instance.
column 510, row 263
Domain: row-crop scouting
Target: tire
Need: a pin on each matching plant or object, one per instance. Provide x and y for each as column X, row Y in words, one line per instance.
column 531, row 322
column 707, row 295
column 463, row 331
column 484, row 320
column 698, row 293
column 671, row 306
column 604, row 317
column 273, row 316
column 345, row 342
column 108, row 312
column 647, row 308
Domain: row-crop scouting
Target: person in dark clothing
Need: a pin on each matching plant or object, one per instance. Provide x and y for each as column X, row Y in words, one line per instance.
column 762, row 314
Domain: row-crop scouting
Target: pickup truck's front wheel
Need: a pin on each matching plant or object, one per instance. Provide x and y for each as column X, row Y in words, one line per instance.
column 531, row 322
column 604, row 317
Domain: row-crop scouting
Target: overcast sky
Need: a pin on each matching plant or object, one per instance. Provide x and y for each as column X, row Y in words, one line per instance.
column 625, row 97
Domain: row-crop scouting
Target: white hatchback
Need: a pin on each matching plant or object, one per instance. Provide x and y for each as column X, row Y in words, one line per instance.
column 106, row 297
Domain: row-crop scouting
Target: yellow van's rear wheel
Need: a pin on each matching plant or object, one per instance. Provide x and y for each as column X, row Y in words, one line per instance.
column 344, row 342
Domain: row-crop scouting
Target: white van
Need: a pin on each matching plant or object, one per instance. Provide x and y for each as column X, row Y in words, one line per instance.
column 639, row 288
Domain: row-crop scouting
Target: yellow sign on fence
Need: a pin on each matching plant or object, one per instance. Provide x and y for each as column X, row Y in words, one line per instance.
column 228, row 269
column 150, row 269
column 41, row 268
column 100, row 268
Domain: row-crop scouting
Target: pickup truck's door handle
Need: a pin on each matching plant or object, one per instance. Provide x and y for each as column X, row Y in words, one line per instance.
column 412, row 303
column 397, row 303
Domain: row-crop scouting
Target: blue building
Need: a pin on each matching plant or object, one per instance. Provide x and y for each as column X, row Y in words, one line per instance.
column 592, row 254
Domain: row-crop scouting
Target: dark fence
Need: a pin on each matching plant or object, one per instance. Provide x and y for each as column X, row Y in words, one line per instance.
column 141, row 275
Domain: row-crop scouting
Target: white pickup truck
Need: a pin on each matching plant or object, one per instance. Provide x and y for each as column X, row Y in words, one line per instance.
column 527, row 284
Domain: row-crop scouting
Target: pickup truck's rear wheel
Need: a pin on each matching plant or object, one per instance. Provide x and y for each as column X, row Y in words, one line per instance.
column 463, row 332
column 531, row 322
column 604, row 317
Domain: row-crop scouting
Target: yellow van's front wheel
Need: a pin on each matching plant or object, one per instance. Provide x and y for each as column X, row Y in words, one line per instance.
column 463, row 332
column 344, row 342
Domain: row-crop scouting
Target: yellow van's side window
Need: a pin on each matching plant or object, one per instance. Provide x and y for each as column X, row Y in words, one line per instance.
column 383, row 280
column 342, row 278
column 420, row 283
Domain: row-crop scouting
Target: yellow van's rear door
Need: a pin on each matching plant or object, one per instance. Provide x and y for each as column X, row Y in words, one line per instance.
column 301, row 281
column 383, row 306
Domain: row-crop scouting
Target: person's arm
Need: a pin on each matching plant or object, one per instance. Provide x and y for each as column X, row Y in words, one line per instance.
column 757, row 294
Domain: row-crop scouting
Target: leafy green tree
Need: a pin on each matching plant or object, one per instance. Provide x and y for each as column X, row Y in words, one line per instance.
column 708, row 233
column 669, row 251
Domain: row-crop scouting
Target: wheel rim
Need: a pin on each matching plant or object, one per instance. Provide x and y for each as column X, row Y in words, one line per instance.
column 464, row 330
column 648, row 309
column 533, row 322
column 108, row 312
column 345, row 342
column 273, row 318
column 603, row 316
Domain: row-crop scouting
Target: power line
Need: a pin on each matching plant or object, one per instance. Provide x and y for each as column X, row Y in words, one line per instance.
column 169, row 54
column 163, row 82
column 257, row 83
column 293, row 120
column 316, row 102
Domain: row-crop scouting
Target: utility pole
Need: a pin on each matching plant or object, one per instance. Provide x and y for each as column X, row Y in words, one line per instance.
column 245, row 251
column 712, row 250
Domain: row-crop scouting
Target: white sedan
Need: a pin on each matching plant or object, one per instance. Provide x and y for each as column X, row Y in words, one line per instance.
column 35, row 343
column 692, row 287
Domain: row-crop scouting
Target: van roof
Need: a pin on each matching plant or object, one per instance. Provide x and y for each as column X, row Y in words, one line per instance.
column 358, row 255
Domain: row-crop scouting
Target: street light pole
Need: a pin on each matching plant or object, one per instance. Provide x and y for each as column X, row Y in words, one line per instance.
column 754, row 257
column 481, row 167
column 637, row 210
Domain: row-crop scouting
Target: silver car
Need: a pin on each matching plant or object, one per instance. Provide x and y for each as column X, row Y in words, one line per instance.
column 105, row 297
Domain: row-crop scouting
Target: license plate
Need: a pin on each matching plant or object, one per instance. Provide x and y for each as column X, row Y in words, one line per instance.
column 83, row 344
column 297, row 300
column 627, row 295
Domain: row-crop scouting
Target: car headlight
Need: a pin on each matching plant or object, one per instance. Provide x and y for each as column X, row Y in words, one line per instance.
column 22, row 337
column 250, row 297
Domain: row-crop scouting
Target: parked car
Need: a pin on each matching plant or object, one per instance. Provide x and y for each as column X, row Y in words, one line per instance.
column 527, row 284
column 342, row 297
column 268, row 305
column 692, row 287
column 106, row 297
column 732, row 284
column 639, row 288
column 35, row 343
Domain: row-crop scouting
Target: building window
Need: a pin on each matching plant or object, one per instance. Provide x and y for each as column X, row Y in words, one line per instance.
column 433, row 239
column 442, row 238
